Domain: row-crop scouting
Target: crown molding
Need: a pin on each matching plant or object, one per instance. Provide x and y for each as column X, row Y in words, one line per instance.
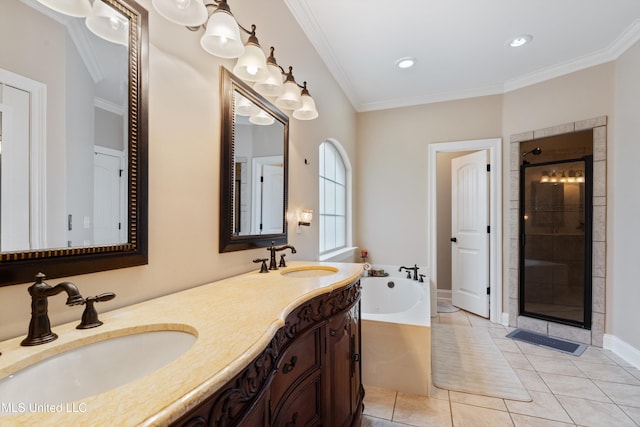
column 302, row 13
column 78, row 34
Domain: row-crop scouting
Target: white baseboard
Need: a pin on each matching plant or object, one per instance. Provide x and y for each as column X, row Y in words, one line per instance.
column 621, row 348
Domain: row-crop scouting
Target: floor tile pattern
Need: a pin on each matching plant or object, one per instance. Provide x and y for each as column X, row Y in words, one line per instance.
column 597, row 389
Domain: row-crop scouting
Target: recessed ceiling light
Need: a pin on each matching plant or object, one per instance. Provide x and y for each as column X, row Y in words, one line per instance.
column 407, row 62
column 520, row 40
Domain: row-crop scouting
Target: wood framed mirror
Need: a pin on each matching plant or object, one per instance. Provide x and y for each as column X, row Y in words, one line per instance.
column 73, row 95
column 254, row 168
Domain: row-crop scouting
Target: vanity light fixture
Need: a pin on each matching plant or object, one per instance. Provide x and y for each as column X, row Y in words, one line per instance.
column 222, row 35
column 308, row 109
column 244, row 107
column 103, row 20
column 252, row 65
column 304, row 218
column 222, row 38
column 545, row 176
column 272, row 85
column 182, row 12
column 76, row 8
column 262, row 118
column 106, row 23
column 290, row 98
column 520, row 40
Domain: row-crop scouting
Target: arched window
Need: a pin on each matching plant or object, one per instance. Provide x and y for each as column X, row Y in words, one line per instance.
column 335, row 196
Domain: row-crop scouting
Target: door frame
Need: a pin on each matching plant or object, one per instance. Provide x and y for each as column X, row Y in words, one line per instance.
column 494, row 148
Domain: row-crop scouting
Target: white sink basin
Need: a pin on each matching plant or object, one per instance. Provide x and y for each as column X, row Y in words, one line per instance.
column 309, row 271
column 91, row 369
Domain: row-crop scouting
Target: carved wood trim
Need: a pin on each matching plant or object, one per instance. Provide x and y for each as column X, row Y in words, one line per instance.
column 230, row 404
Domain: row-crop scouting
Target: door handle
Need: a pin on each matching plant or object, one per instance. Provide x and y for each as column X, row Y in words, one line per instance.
column 453, row 239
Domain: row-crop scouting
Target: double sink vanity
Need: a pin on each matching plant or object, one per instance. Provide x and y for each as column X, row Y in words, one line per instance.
column 256, row 349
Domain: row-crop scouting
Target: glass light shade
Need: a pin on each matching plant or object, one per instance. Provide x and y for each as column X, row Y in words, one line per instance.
column 222, row 37
column 252, row 65
column 272, row 86
column 308, row 109
column 77, row 8
column 244, row 107
column 545, row 176
column 190, row 13
column 108, row 24
column 306, row 217
column 290, row 98
column 262, row 119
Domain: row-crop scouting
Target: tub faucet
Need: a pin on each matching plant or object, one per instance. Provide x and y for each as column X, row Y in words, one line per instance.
column 272, row 261
column 39, row 326
column 415, row 269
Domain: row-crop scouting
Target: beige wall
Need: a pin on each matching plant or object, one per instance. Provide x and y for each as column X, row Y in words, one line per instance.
column 623, row 295
column 184, row 146
column 391, row 188
column 392, row 176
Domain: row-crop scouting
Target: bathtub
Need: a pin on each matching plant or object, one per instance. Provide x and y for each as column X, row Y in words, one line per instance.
column 396, row 332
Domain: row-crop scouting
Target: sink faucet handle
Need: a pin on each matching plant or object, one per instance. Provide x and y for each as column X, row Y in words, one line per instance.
column 263, row 267
column 90, row 315
column 282, row 262
column 421, row 280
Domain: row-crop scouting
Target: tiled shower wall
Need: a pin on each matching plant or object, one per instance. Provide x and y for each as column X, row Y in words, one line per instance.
column 593, row 336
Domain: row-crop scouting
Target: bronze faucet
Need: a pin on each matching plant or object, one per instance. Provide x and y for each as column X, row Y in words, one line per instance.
column 39, row 326
column 415, row 269
column 90, row 315
column 272, row 262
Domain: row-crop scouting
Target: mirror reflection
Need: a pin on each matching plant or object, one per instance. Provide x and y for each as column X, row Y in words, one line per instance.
column 63, row 127
column 258, row 170
column 254, row 165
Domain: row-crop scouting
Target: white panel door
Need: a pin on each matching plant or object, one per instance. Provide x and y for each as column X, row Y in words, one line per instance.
column 15, row 212
column 107, row 200
column 470, row 240
column 272, row 199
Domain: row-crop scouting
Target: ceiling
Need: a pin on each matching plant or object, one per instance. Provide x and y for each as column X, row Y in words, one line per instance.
column 461, row 46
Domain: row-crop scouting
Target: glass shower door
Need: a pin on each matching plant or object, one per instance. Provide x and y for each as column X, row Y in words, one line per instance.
column 555, row 240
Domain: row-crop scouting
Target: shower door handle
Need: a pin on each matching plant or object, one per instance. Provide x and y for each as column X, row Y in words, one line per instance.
column 454, row 240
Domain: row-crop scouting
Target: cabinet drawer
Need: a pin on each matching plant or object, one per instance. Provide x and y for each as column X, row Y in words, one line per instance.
column 303, row 407
column 296, row 362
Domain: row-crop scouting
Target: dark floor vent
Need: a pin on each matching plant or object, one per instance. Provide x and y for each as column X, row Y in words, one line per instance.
column 547, row 342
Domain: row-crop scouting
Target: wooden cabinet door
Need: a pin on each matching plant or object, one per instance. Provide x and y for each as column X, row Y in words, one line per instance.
column 342, row 344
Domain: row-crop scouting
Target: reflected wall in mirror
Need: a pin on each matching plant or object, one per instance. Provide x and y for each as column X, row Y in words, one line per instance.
column 73, row 139
column 254, row 169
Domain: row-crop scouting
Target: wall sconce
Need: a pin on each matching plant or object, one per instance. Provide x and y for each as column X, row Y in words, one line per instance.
column 222, row 38
column 304, row 218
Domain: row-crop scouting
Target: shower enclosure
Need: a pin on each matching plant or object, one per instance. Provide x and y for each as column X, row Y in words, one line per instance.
column 555, row 240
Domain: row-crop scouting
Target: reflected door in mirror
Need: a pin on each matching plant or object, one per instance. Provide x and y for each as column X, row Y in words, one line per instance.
column 67, row 92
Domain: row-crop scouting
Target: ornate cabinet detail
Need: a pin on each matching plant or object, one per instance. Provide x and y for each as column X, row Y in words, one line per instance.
column 309, row 374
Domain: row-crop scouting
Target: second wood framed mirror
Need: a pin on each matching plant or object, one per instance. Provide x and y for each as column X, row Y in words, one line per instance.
column 254, row 168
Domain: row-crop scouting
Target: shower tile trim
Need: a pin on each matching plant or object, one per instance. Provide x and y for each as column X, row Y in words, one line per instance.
column 595, row 335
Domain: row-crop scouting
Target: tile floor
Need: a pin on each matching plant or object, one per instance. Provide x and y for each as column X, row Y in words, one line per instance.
column 596, row 389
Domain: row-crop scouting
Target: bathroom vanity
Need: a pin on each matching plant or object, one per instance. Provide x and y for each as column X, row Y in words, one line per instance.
column 277, row 349
column 309, row 373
